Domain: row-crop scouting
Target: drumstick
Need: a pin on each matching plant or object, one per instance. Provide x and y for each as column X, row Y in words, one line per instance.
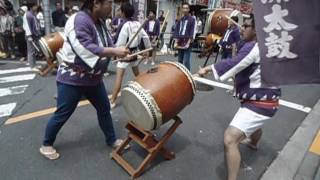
column 234, row 22
column 165, row 19
column 135, row 54
column 131, row 40
column 135, row 35
column 35, row 46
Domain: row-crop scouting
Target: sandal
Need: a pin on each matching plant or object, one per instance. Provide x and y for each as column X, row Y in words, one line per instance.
column 118, row 143
column 49, row 152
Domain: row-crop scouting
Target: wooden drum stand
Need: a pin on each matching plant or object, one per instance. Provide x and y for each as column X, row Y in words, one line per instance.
column 147, row 141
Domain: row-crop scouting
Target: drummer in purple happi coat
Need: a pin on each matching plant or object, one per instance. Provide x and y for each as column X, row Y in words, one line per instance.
column 184, row 35
column 230, row 39
column 116, row 21
column 83, row 60
column 152, row 27
column 259, row 102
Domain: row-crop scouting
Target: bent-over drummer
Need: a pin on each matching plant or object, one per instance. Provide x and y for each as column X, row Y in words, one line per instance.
column 258, row 102
column 83, row 55
column 125, row 33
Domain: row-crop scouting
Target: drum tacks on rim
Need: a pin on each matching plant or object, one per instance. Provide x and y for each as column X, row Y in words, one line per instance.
column 158, row 95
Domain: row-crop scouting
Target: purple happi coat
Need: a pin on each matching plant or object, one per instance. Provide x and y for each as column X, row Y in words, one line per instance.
column 184, row 30
column 155, row 30
column 31, row 25
column 82, row 64
column 246, row 69
column 232, row 35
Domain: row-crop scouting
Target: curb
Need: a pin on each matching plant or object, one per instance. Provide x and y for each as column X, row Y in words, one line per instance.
column 288, row 162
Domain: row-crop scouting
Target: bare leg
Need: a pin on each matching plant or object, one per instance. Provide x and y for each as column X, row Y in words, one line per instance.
column 232, row 138
column 255, row 137
column 135, row 70
column 117, row 86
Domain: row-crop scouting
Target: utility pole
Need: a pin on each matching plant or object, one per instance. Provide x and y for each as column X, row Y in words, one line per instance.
column 158, row 8
column 46, row 14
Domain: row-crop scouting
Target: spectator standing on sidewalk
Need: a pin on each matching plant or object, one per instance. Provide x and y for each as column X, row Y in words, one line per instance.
column 7, row 34
column 33, row 33
column 59, row 18
column 20, row 39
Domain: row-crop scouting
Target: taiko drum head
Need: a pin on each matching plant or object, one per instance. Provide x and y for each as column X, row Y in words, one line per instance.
column 158, row 95
column 51, row 44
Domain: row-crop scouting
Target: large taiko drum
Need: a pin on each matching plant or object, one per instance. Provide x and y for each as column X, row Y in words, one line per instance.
column 158, row 95
column 217, row 22
column 51, row 43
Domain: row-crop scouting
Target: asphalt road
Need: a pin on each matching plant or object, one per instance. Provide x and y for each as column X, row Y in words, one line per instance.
column 198, row 142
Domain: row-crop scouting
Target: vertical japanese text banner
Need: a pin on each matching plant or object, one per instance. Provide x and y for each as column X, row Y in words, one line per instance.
column 289, row 40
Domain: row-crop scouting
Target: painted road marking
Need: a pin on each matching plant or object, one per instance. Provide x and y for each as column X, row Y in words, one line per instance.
column 18, row 62
column 6, row 109
column 203, row 80
column 226, row 86
column 38, row 114
column 17, row 78
column 13, row 90
column 315, row 147
column 18, row 70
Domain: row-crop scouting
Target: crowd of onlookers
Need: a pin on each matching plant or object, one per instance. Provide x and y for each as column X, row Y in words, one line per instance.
column 12, row 32
column 16, row 28
column 20, row 30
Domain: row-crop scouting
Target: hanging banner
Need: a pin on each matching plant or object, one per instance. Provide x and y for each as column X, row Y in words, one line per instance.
column 289, row 40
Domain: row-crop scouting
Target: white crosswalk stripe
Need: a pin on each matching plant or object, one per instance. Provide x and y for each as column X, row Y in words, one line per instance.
column 25, row 69
column 12, row 90
column 6, row 90
column 17, row 78
column 6, row 109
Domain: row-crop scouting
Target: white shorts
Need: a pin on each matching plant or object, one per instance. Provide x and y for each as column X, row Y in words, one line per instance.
column 124, row 65
column 248, row 121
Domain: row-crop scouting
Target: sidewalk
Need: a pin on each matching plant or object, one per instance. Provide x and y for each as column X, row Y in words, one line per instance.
column 300, row 158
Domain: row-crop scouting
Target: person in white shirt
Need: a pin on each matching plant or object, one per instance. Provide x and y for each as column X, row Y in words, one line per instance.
column 125, row 33
column 40, row 18
column 199, row 26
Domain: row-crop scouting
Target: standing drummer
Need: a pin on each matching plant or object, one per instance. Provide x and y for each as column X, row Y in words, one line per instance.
column 258, row 102
column 230, row 39
column 152, row 27
column 184, row 34
column 126, row 32
column 116, row 21
column 83, row 57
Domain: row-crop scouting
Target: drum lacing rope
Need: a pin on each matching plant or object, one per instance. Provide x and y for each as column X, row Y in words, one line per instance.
column 146, row 101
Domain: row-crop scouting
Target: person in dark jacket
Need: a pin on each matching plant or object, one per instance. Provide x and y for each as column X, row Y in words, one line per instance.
column 59, row 18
